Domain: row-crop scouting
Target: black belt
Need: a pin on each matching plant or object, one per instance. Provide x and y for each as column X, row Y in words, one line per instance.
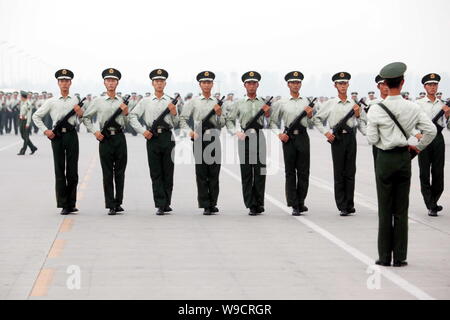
column 114, row 131
column 298, row 131
column 252, row 130
column 67, row 129
column 348, row 130
column 163, row 129
column 395, row 150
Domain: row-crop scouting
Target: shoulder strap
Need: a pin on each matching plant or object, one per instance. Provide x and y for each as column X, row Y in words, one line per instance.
column 391, row 115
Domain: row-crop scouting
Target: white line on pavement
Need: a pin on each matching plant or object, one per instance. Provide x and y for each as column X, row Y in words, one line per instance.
column 393, row 277
column 10, row 146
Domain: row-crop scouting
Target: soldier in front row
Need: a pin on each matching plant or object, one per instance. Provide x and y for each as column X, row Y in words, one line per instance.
column 393, row 168
column 432, row 159
column 296, row 147
column 113, row 146
column 251, row 143
column 343, row 143
column 65, row 147
column 161, row 142
column 207, row 147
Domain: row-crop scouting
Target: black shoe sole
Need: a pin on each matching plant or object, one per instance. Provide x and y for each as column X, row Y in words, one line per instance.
column 400, row 264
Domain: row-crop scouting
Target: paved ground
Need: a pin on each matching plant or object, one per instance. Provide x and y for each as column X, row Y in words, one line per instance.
column 188, row 256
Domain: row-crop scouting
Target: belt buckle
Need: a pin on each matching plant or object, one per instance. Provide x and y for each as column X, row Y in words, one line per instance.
column 160, row 130
column 296, row 132
column 64, row 130
column 344, row 131
column 113, row 132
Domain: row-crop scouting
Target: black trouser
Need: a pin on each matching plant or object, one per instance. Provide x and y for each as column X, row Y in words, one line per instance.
column 159, row 153
column 252, row 155
column 113, row 158
column 35, row 127
column 65, row 156
column 207, row 155
column 15, row 121
column 432, row 160
column 2, row 120
column 296, row 165
column 344, row 167
column 8, row 122
column 393, row 177
column 374, row 153
column 25, row 134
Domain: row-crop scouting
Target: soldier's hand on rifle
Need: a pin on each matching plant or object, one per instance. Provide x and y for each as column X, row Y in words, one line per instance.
column 99, row 136
column 148, row 135
column 241, row 135
column 283, row 137
column 357, row 112
column 79, row 111
column 218, row 110
column 446, row 109
column 330, row 136
column 173, row 109
column 266, row 109
column 419, row 136
column 124, row 108
column 193, row 135
column 49, row 134
column 414, row 148
column 309, row 112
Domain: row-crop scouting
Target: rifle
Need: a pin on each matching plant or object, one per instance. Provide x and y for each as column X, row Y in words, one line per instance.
column 438, row 116
column 363, row 103
column 111, row 122
column 340, row 126
column 253, row 124
column 206, row 124
column 160, row 120
column 58, row 128
column 294, row 125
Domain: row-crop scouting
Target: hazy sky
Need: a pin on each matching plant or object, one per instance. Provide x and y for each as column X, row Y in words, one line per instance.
column 319, row 38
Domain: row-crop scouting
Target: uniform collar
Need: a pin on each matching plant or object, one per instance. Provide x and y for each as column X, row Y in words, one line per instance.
column 247, row 98
column 202, row 97
column 344, row 102
column 399, row 97
column 61, row 97
column 292, row 98
column 154, row 97
column 429, row 100
column 116, row 97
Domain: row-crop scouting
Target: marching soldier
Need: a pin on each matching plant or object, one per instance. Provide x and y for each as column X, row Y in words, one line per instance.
column 343, row 149
column 393, row 169
column 133, row 103
column 228, row 104
column 25, row 124
column 65, row 147
column 15, row 111
column 113, row 147
column 296, row 148
column 432, row 159
column 207, row 148
column 160, row 143
column 2, row 112
column 9, row 103
column 252, row 143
